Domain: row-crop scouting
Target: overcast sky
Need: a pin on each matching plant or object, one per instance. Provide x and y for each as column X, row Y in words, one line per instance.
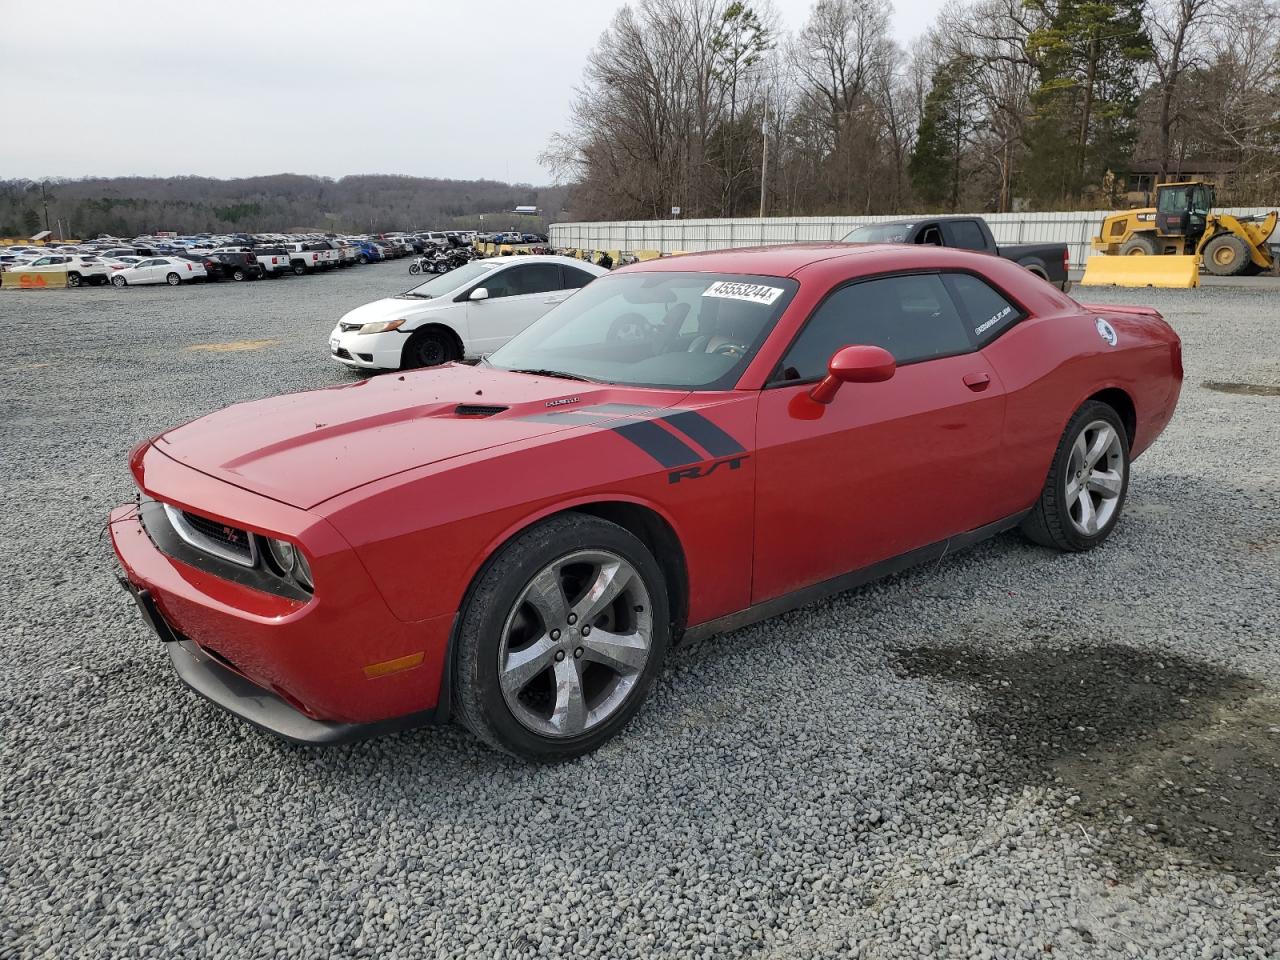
column 446, row 88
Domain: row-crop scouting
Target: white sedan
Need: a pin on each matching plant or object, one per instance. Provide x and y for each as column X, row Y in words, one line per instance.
column 170, row 270
column 468, row 312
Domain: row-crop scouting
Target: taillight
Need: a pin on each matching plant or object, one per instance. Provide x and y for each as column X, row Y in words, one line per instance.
column 315, row 257
column 188, row 266
column 1066, row 259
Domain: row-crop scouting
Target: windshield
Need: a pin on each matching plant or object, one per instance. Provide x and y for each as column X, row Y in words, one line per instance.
column 688, row 330
column 444, row 283
column 879, row 233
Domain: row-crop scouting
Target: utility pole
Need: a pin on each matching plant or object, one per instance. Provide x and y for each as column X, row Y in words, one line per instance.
column 44, row 200
column 764, row 158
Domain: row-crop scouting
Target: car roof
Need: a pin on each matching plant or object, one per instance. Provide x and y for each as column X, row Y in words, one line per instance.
column 784, row 260
column 541, row 258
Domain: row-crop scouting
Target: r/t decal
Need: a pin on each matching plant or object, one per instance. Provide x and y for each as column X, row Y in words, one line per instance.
column 704, row 470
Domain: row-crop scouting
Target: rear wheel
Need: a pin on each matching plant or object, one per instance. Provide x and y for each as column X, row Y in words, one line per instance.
column 299, row 269
column 1226, row 255
column 172, row 279
column 428, row 348
column 1139, row 246
column 1088, row 479
column 73, row 279
column 561, row 638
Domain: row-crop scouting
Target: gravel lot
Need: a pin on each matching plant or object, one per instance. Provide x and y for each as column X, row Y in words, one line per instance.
column 1010, row 753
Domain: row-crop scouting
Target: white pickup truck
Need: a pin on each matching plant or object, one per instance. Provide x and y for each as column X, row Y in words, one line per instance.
column 308, row 256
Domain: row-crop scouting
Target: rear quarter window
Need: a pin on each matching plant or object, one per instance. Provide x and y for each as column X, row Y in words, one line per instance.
column 987, row 311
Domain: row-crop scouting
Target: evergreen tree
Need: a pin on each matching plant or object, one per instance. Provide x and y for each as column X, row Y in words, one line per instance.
column 1087, row 96
column 947, row 126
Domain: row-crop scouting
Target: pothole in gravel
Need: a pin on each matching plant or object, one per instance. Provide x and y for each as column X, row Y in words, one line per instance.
column 1244, row 389
column 1159, row 754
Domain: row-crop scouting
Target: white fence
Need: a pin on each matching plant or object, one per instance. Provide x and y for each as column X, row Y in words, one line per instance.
column 1075, row 229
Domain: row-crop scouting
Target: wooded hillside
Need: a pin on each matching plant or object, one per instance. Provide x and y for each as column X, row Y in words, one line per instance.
column 129, row 206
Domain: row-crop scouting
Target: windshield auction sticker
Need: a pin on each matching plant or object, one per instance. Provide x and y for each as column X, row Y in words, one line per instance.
column 751, row 292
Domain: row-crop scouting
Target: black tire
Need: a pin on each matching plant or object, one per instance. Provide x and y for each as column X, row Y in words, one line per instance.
column 477, row 696
column 1049, row 523
column 1139, row 246
column 73, row 279
column 237, row 274
column 428, row 348
column 172, row 279
column 363, row 259
column 415, row 268
column 120, row 282
column 299, row 269
column 1226, row 255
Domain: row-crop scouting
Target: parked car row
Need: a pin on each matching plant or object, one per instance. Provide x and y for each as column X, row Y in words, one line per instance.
column 205, row 257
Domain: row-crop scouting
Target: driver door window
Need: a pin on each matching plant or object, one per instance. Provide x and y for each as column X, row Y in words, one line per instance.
column 524, row 280
column 912, row 316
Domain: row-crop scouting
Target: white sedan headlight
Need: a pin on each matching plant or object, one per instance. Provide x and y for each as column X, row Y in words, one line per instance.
column 384, row 326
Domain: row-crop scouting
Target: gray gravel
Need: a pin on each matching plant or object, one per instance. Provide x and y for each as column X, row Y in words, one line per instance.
column 1011, row 753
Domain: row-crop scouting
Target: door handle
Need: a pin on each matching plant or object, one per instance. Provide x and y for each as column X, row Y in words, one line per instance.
column 977, row 382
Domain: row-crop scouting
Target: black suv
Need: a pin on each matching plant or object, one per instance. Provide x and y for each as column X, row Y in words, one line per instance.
column 237, row 266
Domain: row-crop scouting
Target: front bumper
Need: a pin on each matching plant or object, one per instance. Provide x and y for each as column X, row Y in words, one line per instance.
column 374, row 351
column 310, row 671
column 236, row 694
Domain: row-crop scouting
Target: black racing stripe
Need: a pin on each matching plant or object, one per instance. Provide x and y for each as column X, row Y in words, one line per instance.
column 704, row 433
column 664, row 447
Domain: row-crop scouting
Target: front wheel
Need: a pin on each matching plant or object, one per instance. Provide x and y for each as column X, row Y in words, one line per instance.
column 173, row 279
column 561, row 638
column 119, row 282
column 1226, row 255
column 363, row 259
column 428, row 348
column 237, row 275
column 415, row 268
column 1088, row 479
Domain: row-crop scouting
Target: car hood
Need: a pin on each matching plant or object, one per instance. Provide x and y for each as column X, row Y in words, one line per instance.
column 305, row 448
column 394, row 308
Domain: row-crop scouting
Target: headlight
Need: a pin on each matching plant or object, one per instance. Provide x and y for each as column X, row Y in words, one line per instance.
column 384, row 326
column 288, row 561
column 283, row 554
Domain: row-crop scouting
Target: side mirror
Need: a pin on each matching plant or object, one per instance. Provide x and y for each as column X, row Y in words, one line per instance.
column 479, row 293
column 859, row 364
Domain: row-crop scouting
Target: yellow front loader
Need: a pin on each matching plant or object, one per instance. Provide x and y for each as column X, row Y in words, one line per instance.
column 1182, row 223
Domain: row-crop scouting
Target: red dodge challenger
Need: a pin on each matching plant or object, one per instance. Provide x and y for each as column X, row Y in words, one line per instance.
column 681, row 448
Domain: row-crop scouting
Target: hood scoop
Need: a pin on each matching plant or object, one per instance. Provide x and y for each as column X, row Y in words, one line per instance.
column 477, row 410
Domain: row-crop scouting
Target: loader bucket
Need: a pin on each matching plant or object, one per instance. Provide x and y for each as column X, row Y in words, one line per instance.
column 1166, row 271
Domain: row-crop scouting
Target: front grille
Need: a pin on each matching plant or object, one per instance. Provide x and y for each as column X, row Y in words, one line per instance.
column 229, row 538
column 343, row 353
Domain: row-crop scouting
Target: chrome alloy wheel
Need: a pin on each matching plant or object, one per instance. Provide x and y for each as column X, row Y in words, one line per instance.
column 575, row 643
column 1095, row 477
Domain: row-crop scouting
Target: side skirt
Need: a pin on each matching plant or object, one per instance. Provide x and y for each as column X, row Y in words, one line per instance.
column 849, row 581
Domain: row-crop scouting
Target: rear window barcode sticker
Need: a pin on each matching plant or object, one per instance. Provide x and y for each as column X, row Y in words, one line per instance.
column 735, row 290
